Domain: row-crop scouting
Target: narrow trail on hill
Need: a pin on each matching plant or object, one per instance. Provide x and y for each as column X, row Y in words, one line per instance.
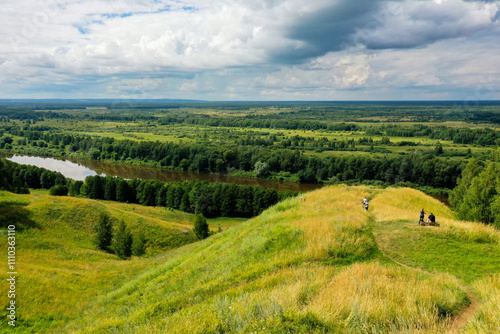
column 455, row 322
column 461, row 319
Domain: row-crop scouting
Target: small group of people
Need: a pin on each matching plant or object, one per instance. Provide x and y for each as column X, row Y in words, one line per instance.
column 430, row 219
column 365, row 203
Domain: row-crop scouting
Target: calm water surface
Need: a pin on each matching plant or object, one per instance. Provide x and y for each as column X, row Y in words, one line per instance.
column 80, row 169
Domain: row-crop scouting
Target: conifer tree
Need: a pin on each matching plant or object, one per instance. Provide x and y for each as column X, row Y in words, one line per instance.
column 200, row 227
column 104, row 232
column 122, row 241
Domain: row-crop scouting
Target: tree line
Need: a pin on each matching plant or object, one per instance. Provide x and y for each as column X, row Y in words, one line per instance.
column 480, row 137
column 18, row 178
column 253, row 122
column 199, row 197
column 419, row 167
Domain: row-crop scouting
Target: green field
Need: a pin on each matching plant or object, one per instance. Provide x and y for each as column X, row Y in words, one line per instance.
column 188, row 123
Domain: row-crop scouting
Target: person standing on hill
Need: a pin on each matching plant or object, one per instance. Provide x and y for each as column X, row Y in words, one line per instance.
column 422, row 214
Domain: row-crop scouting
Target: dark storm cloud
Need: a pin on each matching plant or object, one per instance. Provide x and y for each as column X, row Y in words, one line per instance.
column 376, row 25
column 421, row 23
column 330, row 28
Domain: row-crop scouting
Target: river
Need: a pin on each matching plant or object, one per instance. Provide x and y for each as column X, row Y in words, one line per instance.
column 79, row 169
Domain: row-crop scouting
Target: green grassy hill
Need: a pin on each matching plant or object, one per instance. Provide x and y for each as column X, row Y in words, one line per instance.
column 59, row 269
column 317, row 265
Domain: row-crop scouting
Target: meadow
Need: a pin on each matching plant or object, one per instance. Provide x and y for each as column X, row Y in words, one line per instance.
column 320, row 264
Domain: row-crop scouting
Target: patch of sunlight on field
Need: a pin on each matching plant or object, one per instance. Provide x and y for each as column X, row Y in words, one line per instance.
column 405, row 204
column 331, row 219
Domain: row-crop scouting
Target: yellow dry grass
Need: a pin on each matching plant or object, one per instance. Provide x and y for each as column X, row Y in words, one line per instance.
column 487, row 317
column 405, row 204
column 330, row 218
column 253, row 291
column 363, row 298
column 371, row 294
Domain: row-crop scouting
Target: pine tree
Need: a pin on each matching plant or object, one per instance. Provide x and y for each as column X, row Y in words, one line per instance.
column 104, row 232
column 122, row 241
column 200, row 227
column 139, row 244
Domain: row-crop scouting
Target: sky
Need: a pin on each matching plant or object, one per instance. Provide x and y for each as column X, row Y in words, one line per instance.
column 252, row 50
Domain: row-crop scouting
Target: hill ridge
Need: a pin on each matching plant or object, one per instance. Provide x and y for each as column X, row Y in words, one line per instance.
column 320, row 264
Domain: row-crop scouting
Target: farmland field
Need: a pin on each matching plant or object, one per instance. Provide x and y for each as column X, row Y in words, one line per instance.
column 295, row 142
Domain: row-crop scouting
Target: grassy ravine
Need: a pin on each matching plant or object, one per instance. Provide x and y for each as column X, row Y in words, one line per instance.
column 316, row 265
column 60, row 271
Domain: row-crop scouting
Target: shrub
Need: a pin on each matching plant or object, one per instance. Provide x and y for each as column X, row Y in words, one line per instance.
column 59, row 190
column 200, row 227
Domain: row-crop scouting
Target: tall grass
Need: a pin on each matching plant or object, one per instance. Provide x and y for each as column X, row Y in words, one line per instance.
column 334, row 222
column 307, row 265
column 60, row 271
column 487, row 317
column 405, row 204
column 373, row 298
column 269, row 275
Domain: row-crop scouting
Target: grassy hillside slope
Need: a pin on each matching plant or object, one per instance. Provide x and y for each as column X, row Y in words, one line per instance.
column 59, row 268
column 317, row 265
